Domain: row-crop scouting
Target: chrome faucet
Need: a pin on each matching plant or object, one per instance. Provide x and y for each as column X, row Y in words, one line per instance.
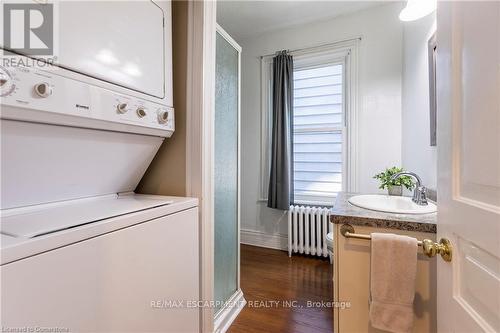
column 419, row 194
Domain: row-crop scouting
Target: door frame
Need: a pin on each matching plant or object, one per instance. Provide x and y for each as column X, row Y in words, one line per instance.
column 200, row 107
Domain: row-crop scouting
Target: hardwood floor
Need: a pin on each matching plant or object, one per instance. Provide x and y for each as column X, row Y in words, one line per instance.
column 277, row 289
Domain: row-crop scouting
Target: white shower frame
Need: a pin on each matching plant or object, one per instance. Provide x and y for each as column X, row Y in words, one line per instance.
column 225, row 316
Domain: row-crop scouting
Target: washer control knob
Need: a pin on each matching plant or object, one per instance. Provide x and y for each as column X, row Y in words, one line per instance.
column 141, row 112
column 43, row 90
column 163, row 117
column 122, row 108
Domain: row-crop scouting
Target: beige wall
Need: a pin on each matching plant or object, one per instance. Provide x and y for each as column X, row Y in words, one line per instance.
column 166, row 175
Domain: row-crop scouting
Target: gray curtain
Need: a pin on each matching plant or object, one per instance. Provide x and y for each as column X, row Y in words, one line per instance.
column 280, row 193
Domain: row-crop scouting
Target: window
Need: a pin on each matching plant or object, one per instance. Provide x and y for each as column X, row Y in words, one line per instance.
column 324, row 123
column 318, row 133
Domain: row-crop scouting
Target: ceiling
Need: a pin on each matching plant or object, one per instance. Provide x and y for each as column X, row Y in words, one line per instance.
column 243, row 19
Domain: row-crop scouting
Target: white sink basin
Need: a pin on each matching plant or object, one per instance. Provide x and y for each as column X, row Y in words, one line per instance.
column 391, row 204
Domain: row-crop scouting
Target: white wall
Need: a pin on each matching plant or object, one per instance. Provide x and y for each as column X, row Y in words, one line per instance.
column 379, row 102
column 417, row 154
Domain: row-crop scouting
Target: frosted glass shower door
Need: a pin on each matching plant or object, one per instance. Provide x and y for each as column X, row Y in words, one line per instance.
column 226, row 168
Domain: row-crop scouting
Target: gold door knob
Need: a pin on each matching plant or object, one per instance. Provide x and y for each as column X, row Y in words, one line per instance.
column 444, row 248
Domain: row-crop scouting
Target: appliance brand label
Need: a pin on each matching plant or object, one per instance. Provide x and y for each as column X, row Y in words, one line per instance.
column 85, row 107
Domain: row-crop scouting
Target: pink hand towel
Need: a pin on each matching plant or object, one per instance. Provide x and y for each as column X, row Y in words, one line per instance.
column 392, row 281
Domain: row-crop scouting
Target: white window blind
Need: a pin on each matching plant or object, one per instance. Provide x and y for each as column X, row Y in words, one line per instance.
column 318, row 133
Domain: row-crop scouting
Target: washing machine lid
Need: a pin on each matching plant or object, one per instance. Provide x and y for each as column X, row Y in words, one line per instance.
column 43, row 163
column 31, row 222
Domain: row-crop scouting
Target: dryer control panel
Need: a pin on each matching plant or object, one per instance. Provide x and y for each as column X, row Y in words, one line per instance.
column 31, row 94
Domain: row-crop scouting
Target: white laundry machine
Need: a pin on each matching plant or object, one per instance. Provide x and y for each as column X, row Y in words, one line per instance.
column 117, row 263
column 80, row 251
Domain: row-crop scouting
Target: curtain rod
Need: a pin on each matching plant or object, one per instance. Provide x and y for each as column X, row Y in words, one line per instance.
column 314, row 47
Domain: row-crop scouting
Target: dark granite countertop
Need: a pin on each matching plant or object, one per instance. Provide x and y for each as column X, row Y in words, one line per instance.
column 343, row 212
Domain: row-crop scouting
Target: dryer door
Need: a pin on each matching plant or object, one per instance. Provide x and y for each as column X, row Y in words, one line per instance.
column 122, row 42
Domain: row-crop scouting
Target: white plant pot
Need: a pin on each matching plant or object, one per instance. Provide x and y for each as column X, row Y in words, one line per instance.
column 395, row 190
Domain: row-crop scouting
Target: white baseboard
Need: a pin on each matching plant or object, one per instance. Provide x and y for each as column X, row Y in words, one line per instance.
column 259, row 238
column 225, row 317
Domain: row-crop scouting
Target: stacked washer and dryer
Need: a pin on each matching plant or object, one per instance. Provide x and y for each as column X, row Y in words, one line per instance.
column 80, row 251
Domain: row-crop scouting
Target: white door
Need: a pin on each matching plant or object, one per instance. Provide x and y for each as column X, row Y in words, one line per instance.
column 468, row 71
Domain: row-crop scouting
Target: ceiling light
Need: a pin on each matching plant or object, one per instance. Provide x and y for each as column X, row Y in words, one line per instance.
column 416, row 9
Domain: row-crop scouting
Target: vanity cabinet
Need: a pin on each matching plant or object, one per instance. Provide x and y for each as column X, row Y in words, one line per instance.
column 352, row 282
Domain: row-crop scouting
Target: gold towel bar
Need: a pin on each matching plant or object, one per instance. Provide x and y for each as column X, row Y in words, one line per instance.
column 429, row 247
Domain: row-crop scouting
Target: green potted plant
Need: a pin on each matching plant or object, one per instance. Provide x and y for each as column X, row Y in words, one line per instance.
column 394, row 187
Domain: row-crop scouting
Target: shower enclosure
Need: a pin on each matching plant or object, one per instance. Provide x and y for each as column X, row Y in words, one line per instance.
column 227, row 291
